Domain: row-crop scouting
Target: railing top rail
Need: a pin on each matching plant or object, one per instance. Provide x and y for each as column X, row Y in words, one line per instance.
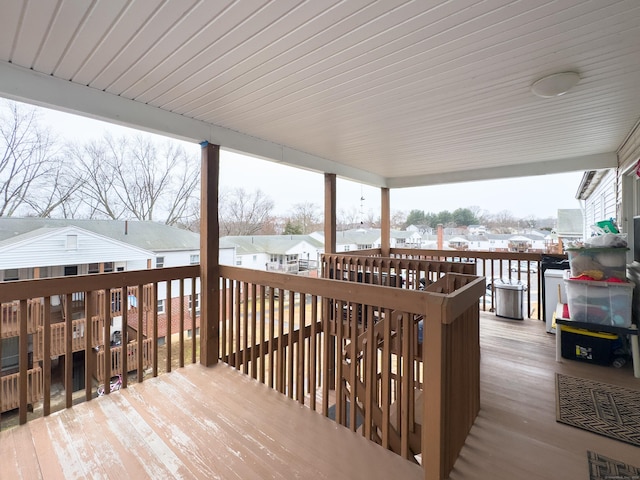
column 389, row 297
column 46, row 287
column 530, row 256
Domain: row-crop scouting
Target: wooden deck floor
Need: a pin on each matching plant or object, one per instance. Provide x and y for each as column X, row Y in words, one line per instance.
column 215, row 423
column 516, row 435
column 195, row 422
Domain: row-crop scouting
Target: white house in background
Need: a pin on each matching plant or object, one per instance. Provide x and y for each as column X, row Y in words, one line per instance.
column 64, row 251
column 278, row 253
column 43, row 247
column 477, row 230
column 366, row 238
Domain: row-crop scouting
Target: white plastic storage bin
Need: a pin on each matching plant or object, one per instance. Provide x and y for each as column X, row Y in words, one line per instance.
column 600, row 263
column 602, row 303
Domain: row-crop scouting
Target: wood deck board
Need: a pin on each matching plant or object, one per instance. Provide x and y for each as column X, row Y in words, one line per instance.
column 516, row 434
column 214, row 422
column 195, row 422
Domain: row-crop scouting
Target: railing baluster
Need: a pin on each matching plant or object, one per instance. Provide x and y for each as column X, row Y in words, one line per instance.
column 263, row 327
column 140, row 349
column 106, row 340
column 181, row 326
column 254, row 323
column 194, row 323
column 124, row 345
column 23, row 362
column 300, row 349
column 89, row 353
column 167, row 341
column 46, row 356
column 313, row 363
column 281, row 367
column 290, row 351
column 272, row 344
column 154, row 334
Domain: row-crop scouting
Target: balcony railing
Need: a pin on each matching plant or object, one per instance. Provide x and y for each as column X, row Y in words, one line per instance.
column 348, row 349
column 355, row 347
column 32, row 310
column 515, row 266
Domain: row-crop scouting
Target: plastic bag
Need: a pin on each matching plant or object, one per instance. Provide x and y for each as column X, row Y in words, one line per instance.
column 607, row 240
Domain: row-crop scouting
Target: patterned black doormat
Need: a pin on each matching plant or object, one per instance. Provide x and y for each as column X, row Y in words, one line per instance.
column 600, row 408
column 605, row 468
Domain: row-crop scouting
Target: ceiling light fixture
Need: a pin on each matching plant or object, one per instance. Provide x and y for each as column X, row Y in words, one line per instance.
column 555, row 85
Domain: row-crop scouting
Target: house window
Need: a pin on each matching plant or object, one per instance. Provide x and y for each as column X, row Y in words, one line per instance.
column 255, row 258
column 94, row 268
column 239, row 261
column 197, row 302
column 160, row 306
column 347, row 248
column 159, row 262
column 194, row 259
column 108, row 267
column 72, row 242
column 274, row 259
column 11, row 274
column 116, row 301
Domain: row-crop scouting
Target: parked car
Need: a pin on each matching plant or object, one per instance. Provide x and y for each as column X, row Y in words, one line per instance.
column 524, row 267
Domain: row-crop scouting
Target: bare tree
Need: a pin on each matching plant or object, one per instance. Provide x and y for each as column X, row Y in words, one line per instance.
column 350, row 218
column 306, row 215
column 61, row 196
column 243, row 213
column 135, row 178
column 98, row 189
column 27, row 160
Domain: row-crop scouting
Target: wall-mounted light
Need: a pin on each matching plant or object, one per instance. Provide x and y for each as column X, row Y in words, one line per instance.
column 555, row 85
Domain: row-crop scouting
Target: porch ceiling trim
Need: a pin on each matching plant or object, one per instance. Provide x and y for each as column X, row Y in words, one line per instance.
column 25, row 85
column 561, row 165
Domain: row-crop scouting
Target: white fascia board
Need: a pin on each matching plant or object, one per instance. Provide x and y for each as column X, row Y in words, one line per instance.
column 25, row 85
column 562, row 165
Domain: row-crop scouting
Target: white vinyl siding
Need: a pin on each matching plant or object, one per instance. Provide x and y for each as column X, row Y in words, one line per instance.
column 601, row 204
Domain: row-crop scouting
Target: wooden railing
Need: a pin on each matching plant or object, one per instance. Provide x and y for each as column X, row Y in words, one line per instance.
column 515, row 266
column 40, row 339
column 326, row 343
column 9, row 389
column 58, row 338
column 10, row 315
column 132, row 358
column 354, row 344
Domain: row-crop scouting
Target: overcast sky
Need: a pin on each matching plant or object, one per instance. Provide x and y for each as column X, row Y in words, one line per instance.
column 539, row 196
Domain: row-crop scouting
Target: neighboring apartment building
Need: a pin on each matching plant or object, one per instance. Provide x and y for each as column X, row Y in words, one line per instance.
column 32, row 248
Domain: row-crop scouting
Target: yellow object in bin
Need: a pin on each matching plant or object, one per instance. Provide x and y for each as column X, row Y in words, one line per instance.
column 589, row 333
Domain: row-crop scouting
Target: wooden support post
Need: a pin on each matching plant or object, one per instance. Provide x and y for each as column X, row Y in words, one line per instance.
column 433, row 421
column 209, row 246
column 330, row 247
column 329, row 213
column 385, row 222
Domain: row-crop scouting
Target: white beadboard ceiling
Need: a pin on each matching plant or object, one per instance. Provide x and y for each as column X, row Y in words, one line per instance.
column 391, row 93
